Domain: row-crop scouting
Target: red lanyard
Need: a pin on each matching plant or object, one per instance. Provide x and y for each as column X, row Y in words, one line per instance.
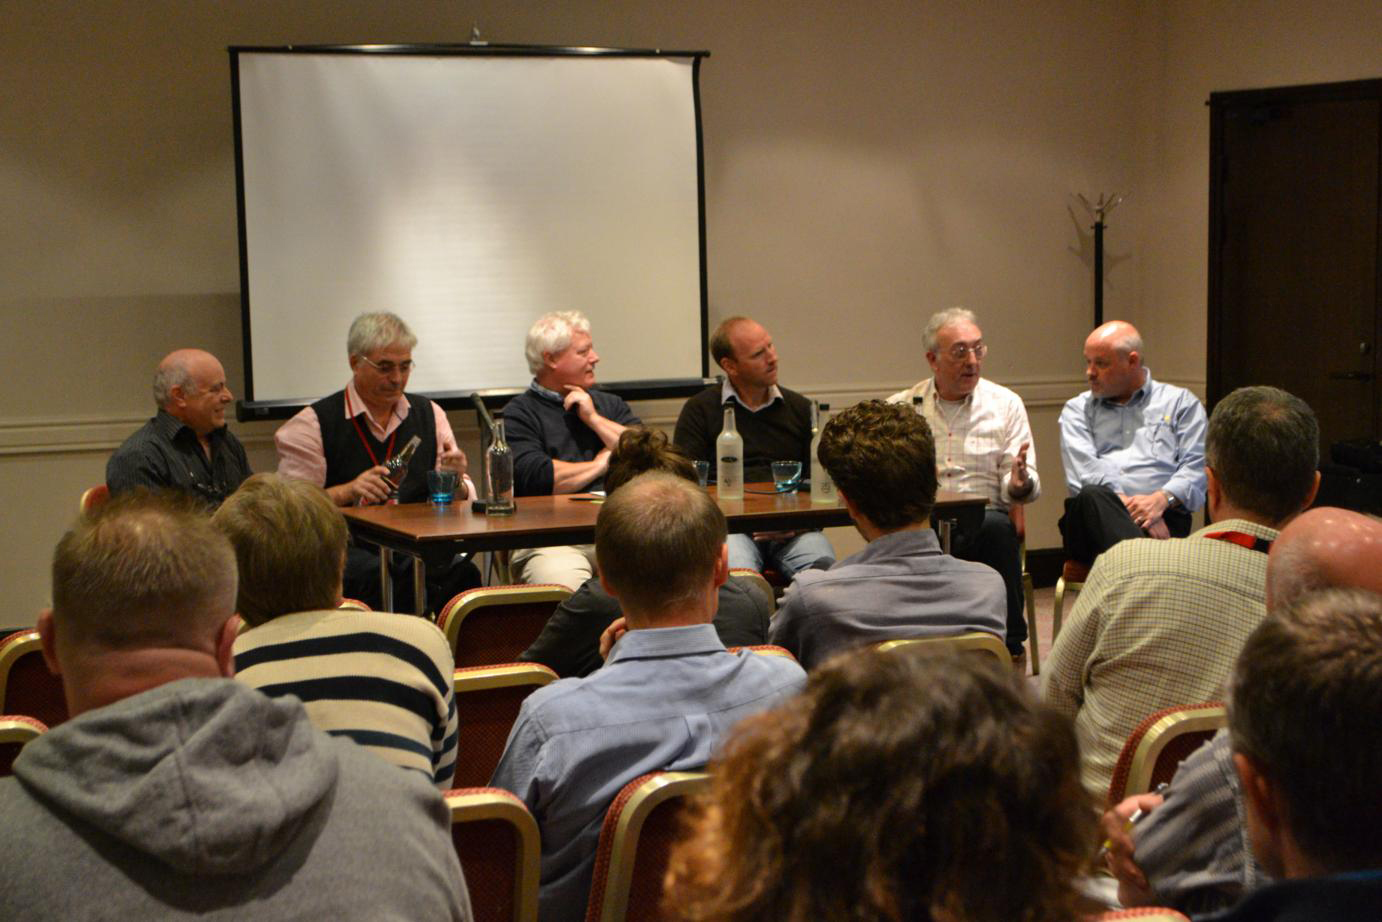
column 1251, row 542
column 388, row 453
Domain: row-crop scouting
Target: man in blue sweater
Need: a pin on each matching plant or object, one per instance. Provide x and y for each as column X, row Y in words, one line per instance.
column 561, row 432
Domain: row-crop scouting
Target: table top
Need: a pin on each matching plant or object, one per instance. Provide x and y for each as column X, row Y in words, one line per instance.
column 570, row 519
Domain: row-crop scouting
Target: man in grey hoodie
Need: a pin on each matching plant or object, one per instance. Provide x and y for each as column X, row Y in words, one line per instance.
column 176, row 792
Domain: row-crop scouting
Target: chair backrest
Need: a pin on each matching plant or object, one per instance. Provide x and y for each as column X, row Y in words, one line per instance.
column 640, row 828
column 1146, row 913
column 1160, row 743
column 756, row 580
column 487, row 703
column 766, row 649
column 355, row 604
column 495, row 625
column 496, row 839
column 26, row 685
column 15, row 731
column 93, row 497
column 979, row 642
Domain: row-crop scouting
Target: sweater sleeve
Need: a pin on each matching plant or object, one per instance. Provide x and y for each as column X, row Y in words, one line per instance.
column 532, row 466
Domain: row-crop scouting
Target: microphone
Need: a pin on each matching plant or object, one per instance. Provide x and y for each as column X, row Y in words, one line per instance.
column 480, row 408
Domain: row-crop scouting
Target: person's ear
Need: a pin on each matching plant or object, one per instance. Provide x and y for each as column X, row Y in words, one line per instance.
column 225, row 646
column 722, row 566
column 729, row 366
column 1213, row 491
column 48, row 639
column 1314, row 489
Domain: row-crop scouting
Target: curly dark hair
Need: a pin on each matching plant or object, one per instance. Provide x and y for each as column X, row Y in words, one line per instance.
column 882, row 457
column 908, row 785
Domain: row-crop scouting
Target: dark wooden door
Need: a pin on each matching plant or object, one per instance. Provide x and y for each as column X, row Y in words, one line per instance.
column 1293, row 295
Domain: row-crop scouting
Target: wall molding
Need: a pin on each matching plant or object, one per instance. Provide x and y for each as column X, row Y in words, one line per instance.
column 103, row 434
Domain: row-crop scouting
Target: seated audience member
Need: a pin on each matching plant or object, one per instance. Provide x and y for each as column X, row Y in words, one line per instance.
column 984, row 446
column 667, row 693
column 561, row 432
column 175, row 792
column 570, row 643
column 775, row 424
column 186, row 446
column 1160, row 623
column 883, row 462
column 1133, row 450
column 909, row 785
column 380, row 679
column 341, row 442
column 1304, row 712
column 1190, row 849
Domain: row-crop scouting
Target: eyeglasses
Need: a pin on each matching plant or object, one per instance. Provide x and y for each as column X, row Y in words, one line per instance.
column 388, row 368
column 960, row 351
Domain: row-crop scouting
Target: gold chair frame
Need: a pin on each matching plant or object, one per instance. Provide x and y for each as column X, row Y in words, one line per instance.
column 661, row 787
column 972, row 642
column 480, row 804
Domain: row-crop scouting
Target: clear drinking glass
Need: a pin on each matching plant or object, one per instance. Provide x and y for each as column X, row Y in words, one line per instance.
column 786, row 475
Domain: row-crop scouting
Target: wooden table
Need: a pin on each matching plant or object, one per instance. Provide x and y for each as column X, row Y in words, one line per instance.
column 433, row 535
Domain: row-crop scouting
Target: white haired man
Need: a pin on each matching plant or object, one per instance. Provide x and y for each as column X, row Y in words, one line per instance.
column 186, row 446
column 983, row 445
column 342, row 441
column 561, row 432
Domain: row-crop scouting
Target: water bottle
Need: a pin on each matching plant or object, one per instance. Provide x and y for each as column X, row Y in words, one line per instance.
column 822, row 487
column 398, row 469
column 499, row 474
column 729, row 454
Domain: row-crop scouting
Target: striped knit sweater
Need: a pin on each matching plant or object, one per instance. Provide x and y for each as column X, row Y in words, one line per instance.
column 383, row 680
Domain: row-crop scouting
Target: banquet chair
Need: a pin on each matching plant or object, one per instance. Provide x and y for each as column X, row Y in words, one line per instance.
column 26, row 685
column 487, row 702
column 980, row 642
column 16, row 731
column 496, row 624
column 496, row 840
column 1155, row 749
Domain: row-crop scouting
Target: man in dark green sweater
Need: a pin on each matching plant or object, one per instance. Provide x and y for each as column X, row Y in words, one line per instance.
column 775, row 424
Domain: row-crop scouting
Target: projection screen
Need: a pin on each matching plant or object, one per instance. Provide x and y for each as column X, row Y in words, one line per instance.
column 468, row 193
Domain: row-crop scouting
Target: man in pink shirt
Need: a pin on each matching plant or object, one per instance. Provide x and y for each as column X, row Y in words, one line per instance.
column 342, row 441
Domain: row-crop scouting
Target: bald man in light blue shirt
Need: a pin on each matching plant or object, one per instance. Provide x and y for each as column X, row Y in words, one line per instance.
column 1132, row 448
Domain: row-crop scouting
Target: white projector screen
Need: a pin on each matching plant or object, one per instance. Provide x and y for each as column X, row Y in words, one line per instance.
column 468, row 193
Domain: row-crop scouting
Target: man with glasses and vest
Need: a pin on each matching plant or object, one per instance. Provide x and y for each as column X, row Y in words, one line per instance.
column 342, row 442
column 1160, row 622
column 983, row 445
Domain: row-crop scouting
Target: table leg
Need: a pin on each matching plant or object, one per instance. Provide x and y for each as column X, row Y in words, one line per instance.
column 419, row 585
column 945, row 526
column 386, row 578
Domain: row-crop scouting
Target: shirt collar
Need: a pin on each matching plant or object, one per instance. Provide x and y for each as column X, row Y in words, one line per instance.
column 728, row 393
column 1139, row 396
column 170, row 427
column 356, row 403
column 545, row 392
column 663, row 642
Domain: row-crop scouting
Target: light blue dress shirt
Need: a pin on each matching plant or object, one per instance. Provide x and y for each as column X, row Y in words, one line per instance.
column 662, row 701
column 1155, row 441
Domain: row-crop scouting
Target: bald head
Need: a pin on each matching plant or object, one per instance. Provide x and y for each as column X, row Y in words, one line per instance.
column 190, row 385
column 1113, row 361
column 1324, row 548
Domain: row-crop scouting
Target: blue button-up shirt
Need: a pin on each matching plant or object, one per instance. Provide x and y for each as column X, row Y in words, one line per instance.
column 1155, row 441
column 662, row 701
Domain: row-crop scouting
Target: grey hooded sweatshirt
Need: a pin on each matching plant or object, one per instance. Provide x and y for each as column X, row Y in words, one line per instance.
column 204, row 798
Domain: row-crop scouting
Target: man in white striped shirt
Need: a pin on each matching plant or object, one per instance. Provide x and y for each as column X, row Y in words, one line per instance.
column 983, row 445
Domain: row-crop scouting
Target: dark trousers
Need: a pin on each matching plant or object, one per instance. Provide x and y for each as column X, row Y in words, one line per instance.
column 996, row 544
column 1095, row 520
column 362, row 580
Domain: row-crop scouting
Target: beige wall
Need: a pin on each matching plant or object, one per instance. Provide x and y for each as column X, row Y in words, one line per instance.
column 865, row 165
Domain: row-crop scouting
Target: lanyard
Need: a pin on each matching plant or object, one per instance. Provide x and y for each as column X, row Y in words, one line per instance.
column 1251, row 542
column 388, row 452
